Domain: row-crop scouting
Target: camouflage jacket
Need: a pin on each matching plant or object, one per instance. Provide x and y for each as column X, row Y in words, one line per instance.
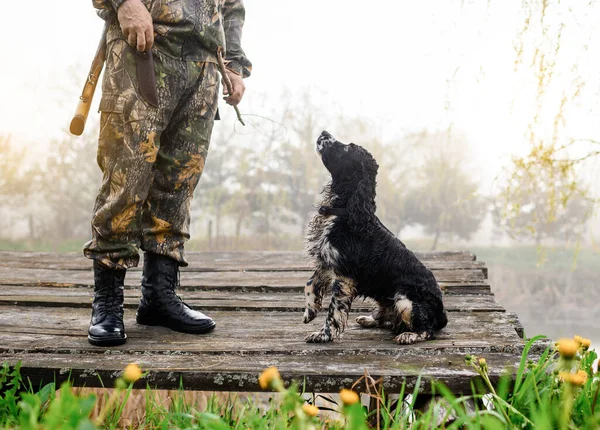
column 191, row 29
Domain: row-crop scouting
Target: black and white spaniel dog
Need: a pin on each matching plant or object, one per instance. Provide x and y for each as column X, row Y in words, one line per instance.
column 355, row 255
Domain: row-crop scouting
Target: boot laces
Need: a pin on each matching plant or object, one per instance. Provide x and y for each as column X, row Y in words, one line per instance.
column 172, row 297
column 111, row 301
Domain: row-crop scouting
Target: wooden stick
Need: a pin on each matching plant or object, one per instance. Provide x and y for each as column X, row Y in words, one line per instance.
column 227, row 82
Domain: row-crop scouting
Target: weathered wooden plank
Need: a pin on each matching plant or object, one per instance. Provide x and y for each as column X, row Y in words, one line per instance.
column 256, row 299
column 514, row 320
column 217, row 261
column 450, row 288
column 240, row 373
column 232, row 280
column 465, row 288
column 218, row 300
column 64, row 330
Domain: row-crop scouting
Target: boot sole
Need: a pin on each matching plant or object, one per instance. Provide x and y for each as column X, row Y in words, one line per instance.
column 97, row 341
column 181, row 329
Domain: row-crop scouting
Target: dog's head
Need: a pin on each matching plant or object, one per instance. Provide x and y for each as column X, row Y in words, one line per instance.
column 353, row 171
column 346, row 162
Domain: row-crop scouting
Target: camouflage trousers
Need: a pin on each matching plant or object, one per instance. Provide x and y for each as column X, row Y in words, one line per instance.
column 151, row 158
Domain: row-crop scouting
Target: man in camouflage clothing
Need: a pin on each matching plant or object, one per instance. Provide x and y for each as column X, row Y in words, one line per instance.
column 152, row 157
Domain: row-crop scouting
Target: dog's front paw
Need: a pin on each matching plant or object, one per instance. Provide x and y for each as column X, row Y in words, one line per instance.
column 406, row 338
column 309, row 315
column 318, row 337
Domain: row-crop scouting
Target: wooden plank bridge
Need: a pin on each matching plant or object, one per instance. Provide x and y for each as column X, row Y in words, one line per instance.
column 257, row 300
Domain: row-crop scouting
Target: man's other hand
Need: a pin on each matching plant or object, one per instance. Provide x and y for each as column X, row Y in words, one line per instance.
column 136, row 24
column 238, row 87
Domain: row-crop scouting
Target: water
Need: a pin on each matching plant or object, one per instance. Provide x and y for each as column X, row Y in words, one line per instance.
column 555, row 302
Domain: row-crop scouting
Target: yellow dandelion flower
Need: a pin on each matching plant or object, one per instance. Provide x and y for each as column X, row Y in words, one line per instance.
column 310, row 410
column 348, row 397
column 578, row 378
column 132, row 372
column 482, row 362
column 585, row 343
column 578, row 339
column 567, row 347
column 268, row 376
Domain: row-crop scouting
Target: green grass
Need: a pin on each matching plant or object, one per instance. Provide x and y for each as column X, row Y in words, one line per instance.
column 552, row 391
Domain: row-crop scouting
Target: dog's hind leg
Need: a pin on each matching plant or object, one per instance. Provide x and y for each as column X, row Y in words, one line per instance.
column 317, row 285
column 377, row 319
column 367, row 321
column 344, row 291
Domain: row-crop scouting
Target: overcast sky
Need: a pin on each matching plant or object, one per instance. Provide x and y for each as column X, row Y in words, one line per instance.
column 401, row 65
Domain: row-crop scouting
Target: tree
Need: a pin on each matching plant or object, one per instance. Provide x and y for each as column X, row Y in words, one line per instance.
column 302, row 176
column 241, row 183
column 261, row 187
column 542, row 200
column 54, row 195
column 556, row 155
column 65, row 186
column 13, row 178
column 15, row 183
column 215, row 189
column 445, row 199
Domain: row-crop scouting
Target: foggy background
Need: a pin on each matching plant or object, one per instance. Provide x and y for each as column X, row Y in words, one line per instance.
column 445, row 94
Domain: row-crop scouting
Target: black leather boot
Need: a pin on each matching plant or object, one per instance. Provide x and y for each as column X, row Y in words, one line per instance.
column 106, row 326
column 160, row 305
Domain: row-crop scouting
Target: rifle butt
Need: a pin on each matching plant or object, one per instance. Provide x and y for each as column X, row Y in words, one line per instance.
column 80, row 116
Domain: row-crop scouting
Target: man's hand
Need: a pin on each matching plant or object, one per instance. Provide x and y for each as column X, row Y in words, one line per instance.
column 238, row 87
column 136, row 24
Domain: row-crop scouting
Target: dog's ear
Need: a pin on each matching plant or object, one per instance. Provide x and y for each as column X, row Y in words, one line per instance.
column 361, row 205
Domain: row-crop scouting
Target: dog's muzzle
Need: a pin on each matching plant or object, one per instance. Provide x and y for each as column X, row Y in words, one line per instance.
column 324, row 140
